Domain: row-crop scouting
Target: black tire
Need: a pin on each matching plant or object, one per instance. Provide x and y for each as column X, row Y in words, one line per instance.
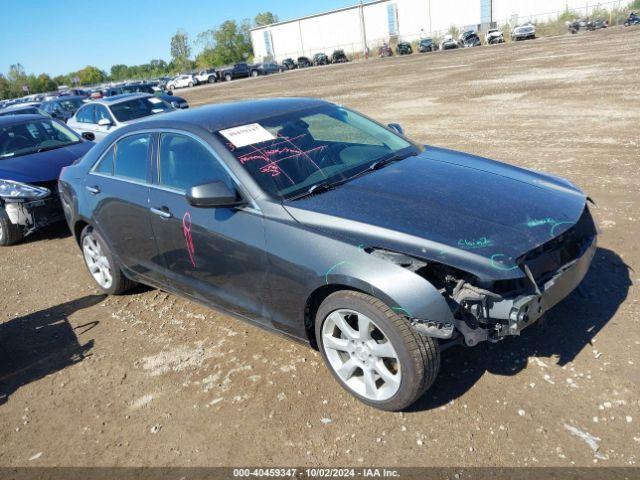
column 419, row 356
column 211, row 79
column 10, row 234
column 120, row 283
column 254, row 73
column 227, row 77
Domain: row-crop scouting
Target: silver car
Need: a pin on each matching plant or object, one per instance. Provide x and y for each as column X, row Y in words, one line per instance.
column 97, row 119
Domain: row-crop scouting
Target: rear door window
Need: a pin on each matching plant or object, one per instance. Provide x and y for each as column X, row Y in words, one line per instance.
column 131, row 157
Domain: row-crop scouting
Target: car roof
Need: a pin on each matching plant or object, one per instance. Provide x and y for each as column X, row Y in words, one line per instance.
column 13, row 119
column 226, row 115
column 63, row 98
column 114, row 99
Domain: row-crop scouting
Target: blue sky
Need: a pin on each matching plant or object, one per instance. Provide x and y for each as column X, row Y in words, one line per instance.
column 60, row 36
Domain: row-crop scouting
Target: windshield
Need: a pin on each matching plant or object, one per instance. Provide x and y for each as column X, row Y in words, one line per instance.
column 138, row 108
column 70, row 105
column 22, row 111
column 34, row 136
column 288, row 154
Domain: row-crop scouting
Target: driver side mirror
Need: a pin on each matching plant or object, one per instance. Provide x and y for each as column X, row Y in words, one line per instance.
column 396, row 127
column 214, row 194
column 105, row 122
column 88, row 136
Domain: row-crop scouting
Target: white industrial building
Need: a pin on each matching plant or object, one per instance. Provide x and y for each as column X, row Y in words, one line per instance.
column 374, row 22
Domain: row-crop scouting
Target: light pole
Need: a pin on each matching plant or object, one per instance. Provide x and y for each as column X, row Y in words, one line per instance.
column 363, row 31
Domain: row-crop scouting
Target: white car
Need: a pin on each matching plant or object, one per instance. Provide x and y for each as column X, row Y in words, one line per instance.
column 182, row 81
column 493, row 35
column 97, row 119
column 523, row 32
column 207, row 76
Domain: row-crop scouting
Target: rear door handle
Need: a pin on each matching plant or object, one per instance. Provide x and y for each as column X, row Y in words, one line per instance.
column 93, row 190
column 161, row 212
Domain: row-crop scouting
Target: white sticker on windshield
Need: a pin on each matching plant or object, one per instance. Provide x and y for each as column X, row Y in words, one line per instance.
column 247, row 135
column 157, row 110
column 155, row 100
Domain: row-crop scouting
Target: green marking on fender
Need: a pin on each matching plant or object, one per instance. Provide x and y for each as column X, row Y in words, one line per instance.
column 402, row 310
column 497, row 266
column 326, row 275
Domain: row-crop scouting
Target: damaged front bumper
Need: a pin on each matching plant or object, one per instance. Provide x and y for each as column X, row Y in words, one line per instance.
column 31, row 215
column 491, row 317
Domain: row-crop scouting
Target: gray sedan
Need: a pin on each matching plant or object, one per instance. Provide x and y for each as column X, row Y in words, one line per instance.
column 97, row 119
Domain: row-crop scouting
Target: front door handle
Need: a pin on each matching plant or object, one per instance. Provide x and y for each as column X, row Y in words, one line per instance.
column 161, row 212
column 94, row 190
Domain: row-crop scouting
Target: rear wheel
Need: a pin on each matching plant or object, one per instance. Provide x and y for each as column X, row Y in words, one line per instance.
column 10, row 234
column 254, row 73
column 373, row 352
column 101, row 264
column 190, row 84
column 211, row 79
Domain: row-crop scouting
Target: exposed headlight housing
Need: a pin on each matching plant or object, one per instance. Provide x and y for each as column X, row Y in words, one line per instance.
column 10, row 189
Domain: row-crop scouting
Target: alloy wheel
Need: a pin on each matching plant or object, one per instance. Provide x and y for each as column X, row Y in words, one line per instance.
column 97, row 262
column 361, row 355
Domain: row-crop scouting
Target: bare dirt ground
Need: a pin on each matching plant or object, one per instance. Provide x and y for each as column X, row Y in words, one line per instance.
column 151, row 379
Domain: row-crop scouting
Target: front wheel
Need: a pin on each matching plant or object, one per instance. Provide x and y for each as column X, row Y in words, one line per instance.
column 101, row 264
column 227, row 77
column 254, row 73
column 190, row 84
column 10, row 234
column 373, row 352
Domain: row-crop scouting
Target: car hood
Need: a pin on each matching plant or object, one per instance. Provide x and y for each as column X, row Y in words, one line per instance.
column 42, row 167
column 469, row 212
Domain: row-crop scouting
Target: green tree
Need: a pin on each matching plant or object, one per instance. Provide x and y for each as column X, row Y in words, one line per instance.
column 180, row 49
column 232, row 42
column 265, row 18
column 90, row 75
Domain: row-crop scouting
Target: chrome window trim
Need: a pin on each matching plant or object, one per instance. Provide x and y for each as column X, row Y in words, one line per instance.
column 116, row 177
column 251, row 208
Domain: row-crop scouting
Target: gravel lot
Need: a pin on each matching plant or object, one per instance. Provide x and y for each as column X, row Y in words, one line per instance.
column 151, row 379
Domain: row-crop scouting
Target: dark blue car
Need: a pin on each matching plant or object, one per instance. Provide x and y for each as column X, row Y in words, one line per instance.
column 33, row 151
column 313, row 220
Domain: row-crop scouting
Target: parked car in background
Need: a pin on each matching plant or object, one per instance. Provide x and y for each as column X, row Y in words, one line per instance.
column 338, row 56
column 210, row 75
column 239, row 70
column 469, row 39
column 523, row 32
column 304, row 62
column 393, row 281
column 448, row 43
column 385, row 50
column 632, row 19
column 23, row 109
column 493, row 36
column 63, row 107
column 404, row 48
column 265, row 68
column 174, row 100
column 181, row 81
column 289, row 64
column 321, row 59
column 427, row 45
column 96, row 120
column 33, row 150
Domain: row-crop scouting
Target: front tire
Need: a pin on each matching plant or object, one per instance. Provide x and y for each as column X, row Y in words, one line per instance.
column 10, row 234
column 227, row 77
column 101, row 265
column 373, row 352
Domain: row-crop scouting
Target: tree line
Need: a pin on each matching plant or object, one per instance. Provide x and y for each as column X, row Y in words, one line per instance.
column 228, row 43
